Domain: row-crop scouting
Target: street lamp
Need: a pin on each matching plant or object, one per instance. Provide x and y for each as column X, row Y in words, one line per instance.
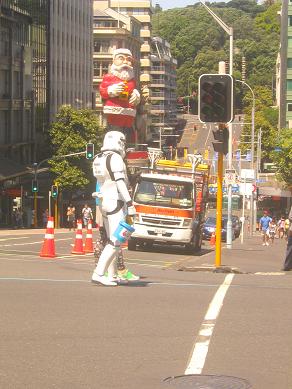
column 252, row 152
column 229, row 31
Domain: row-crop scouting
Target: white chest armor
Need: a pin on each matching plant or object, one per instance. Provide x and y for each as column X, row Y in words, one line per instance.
column 107, row 167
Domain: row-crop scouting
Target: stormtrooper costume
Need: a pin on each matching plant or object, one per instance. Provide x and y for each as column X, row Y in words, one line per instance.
column 110, row 171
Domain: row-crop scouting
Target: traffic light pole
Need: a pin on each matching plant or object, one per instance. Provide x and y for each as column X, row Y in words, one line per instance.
column 229, row 31
column 219, row 211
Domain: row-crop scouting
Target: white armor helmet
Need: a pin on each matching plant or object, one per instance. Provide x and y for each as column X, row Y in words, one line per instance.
column 114, row 141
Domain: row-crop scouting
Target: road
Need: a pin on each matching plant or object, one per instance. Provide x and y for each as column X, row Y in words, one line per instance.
column 58, row 330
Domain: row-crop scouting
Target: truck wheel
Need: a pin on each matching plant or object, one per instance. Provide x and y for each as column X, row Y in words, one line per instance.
column 132, row 245
column 195, row 245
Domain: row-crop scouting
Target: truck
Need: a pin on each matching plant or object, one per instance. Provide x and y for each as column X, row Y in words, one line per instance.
column 170, row 199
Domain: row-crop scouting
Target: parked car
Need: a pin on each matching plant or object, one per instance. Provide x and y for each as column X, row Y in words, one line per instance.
column 236, row 224
column 210, row 226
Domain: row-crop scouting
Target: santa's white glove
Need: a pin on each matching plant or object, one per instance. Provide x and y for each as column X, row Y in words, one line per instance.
column 135, row 97
column 116, row 89
column 131, row 211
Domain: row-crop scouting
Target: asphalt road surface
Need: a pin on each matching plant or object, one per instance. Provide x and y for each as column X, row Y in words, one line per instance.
column 58, row 330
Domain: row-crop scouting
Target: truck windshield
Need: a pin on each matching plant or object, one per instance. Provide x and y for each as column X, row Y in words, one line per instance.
column 169, row 194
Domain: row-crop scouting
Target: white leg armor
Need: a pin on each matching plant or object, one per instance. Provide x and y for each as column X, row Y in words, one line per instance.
column 108, row 257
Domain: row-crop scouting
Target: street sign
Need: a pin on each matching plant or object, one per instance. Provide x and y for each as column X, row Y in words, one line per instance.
column 33, row 197
column 247, row 174
column 230, row 176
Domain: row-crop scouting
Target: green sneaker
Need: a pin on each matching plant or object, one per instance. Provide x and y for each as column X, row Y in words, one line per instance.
column 126, row 275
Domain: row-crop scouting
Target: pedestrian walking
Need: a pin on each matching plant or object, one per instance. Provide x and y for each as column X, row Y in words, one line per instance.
column 71, row 217
column 272, row 229
column 86, row 215
column 288, row 258
column 264, row 226
column 287, row 226
column 281, row 227
column 45, row 216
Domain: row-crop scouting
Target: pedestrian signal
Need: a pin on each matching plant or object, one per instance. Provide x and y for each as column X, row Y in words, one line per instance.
column 34, row 186
column 89, row 151
column 54, row 191
column 220, row 143
column 215, row 98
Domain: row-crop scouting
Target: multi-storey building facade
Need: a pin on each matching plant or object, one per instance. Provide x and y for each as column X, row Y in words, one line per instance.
column 162, row 89
column 111, row 31
column 284, row 67
column 70, row 54
column 16, row 101
column 142, row 11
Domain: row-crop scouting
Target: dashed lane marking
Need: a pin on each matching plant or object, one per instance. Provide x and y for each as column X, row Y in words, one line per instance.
column 30, row 243
column 20, row 237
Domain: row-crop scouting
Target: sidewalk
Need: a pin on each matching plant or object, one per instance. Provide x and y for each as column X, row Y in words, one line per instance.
column 249, row 257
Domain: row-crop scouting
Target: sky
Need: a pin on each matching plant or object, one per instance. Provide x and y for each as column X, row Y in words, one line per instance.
column 166, row 4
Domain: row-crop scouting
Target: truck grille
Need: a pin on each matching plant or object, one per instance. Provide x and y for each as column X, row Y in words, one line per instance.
column 161, row 222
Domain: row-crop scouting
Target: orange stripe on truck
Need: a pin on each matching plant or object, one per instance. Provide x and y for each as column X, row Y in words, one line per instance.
column 163, row 211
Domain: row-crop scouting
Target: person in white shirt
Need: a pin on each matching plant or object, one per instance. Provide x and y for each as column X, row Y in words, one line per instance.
column 86, row 215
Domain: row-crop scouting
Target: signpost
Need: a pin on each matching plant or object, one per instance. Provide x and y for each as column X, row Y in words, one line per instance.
column 230, row 177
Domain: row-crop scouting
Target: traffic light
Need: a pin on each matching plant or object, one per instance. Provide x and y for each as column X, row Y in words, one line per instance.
column 215, row 98
column 89, row 151
column 54, row 191
column 221, row 137
column 34, row 186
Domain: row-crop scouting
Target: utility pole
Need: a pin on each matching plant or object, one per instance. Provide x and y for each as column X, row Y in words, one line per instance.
column 229, row 31
column 253, row 207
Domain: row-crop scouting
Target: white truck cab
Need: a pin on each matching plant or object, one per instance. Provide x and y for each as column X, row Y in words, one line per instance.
column 170, row 204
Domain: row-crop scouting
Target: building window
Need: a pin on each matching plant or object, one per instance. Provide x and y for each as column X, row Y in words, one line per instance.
column 289, row 63
column 289, row 107
column 289, row 85
column 289, row 41
column 101, row 46
column 289, row 21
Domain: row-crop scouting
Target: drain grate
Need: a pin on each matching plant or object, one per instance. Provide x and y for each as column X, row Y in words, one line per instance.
column 199, row 381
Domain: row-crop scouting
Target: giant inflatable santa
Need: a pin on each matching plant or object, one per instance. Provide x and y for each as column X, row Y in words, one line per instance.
column 119, row 93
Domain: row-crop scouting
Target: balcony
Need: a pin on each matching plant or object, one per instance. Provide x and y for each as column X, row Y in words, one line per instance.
column 158, row 69
column 157, row 94
column 145, row 77
column 145, row 34
column 145, row 62
column 145, row 48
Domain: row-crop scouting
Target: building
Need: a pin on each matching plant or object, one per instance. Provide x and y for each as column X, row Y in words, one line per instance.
column 70, row 54
column 284, row 67
column 142, row 11
column 16, row 115
column 162, row 92
column 45, row 62
column 111, row 31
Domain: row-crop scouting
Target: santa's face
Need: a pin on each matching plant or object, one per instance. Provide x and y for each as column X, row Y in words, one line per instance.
column 122, row 59
column 122, row 67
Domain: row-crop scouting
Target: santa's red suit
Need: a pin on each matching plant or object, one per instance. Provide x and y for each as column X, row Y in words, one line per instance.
column 119, row 111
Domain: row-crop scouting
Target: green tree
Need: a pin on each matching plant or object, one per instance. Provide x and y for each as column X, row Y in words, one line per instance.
column 283, row 157
column 70, row 133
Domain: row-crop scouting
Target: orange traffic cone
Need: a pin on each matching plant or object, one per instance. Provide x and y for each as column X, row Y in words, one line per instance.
column 48, row 249
column 213, row 239
column 78, row 246
column 88, row 248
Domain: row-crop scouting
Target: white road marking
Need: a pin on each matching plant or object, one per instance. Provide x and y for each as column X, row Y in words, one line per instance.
column 20, row 237
column 200, row 349
column 30, row 243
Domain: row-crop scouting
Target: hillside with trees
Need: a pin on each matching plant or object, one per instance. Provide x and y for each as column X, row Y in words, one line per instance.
column 199, row 43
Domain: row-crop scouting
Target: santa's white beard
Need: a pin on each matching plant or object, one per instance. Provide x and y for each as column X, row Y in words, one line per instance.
column 124, row 72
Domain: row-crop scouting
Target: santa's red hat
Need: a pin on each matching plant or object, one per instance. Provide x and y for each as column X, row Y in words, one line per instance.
column 122, row 51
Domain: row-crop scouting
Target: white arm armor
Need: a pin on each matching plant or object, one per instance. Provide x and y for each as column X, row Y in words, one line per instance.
column 119, row 174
